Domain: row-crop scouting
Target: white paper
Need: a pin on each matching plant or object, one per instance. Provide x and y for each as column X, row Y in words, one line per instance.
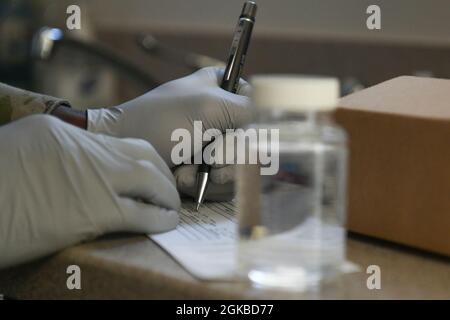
column 204, row 242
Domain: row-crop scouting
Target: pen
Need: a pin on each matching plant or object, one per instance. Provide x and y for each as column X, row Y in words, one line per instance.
column 231, row 77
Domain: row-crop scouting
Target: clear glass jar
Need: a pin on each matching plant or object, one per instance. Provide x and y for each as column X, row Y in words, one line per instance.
column 291, row 224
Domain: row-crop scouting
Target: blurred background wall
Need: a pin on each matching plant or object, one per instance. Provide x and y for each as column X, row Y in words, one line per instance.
column 291, row 36
column 403, row 20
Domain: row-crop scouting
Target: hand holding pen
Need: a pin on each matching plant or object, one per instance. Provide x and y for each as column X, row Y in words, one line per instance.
column 231, row 78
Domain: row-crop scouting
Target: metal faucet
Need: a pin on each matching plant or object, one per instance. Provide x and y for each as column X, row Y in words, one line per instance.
column 47, row 40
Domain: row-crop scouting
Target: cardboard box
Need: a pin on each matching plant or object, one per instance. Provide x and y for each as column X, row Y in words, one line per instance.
column 399, row 172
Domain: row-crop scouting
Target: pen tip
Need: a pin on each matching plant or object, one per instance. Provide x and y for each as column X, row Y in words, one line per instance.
column 197, row 207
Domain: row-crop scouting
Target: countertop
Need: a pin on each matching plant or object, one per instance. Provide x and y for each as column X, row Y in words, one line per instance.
column 134, row 267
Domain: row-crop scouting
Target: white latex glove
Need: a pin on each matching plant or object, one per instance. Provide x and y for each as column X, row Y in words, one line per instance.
column 60, row 185
column 177, row 104
column 222, row 177
column 221, row 184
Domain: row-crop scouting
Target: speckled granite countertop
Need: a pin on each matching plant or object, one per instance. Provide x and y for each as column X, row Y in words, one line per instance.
column 134, row 267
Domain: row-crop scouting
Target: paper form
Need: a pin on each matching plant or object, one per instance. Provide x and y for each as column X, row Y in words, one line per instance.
column 204, row 242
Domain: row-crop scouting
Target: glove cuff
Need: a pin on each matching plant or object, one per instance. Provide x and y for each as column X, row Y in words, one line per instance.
column 105, row 120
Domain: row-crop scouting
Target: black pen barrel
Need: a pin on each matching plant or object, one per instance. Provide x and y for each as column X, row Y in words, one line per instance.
column 239, row 46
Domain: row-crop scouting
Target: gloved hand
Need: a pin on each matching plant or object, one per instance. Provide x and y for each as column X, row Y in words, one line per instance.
column 221, row 177
column 60, row 185
column 177, row 104
column 221, row 183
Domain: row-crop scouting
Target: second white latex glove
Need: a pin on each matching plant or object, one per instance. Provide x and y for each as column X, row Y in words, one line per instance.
column 176, row 105
column 60, row 185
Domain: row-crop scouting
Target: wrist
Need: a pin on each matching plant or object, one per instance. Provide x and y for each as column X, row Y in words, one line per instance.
column 77, row 118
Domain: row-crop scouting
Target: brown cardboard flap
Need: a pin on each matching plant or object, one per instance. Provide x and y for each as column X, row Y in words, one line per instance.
column 408, row 96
